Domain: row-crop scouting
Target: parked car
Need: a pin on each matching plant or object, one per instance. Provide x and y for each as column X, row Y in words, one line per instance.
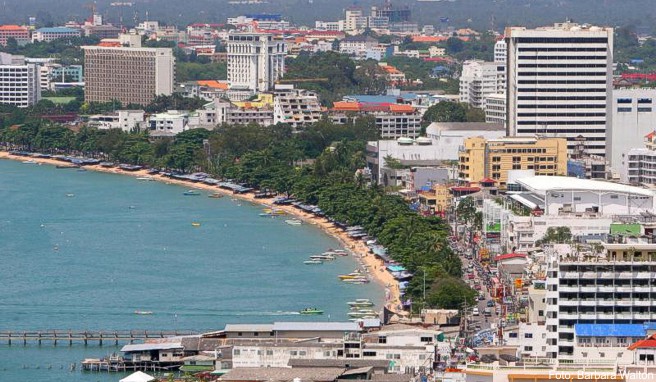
column 475, row 312
column 487, row 312
column 490, row 304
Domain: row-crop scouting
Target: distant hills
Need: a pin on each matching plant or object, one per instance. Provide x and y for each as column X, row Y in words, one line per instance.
column 478, row 14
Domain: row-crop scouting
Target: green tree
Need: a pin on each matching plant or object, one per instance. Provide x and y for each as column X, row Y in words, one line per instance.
column 446, row 112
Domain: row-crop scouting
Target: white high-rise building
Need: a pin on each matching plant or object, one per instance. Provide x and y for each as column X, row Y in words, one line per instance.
column 19, row 82
column 500, row 52
column 255, row 61
column 614, row 286
column 479, row 79
column 634, row 113
column 559, row 82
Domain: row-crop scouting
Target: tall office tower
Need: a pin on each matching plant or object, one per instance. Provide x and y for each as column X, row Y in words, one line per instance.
column 19, row 81
column 559, row 83
column 129, row 75
column 255, row 61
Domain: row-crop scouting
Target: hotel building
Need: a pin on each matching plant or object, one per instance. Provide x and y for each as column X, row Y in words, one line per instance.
column 129, row 75
column 19, row 81
column 493, row 158
column 559, row 81
column 255, row 61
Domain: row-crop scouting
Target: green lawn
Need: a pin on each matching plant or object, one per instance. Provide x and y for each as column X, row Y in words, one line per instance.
column 59, row 100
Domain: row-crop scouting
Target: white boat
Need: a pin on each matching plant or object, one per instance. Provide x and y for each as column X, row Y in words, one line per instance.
column 322, row 257
column 361, row 302
column 146, row 178
column 310, row 262
column 293, row 222
column 29, row 162
column 362, row 314
column 143, row 312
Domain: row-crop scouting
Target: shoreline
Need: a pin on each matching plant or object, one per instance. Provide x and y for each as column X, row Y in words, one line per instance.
column 359, row 250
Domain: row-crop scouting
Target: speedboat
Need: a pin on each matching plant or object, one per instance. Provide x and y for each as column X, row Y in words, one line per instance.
column 310, row 262
column 146, row 178
column 191, row 193
column 361, row 314
column 352, row 275
column 311, row 311
column 361, row 302
column 322, row 257
column 293, row 222
column 195, row 224
column 215, row 195
column 143, row 312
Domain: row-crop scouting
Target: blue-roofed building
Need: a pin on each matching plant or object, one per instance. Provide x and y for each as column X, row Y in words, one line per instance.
column 607, row 341
column 50, row 34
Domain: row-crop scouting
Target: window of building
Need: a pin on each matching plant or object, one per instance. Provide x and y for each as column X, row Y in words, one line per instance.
column 644, row 100
column 517, row 167
column 528, row 335
column 367, row 353
column 426, row 339
column 236, row 352
column 624, row 109
column 269, row 352
column 512, row 335
column 528, row 348
column 382, row 339
column 644, row 110
column 293, row 352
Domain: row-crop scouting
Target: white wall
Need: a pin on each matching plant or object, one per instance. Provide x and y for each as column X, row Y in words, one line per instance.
column 628, row 128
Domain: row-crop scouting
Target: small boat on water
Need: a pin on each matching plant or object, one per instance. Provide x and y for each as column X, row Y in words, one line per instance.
column 273, row 211
column 29, row 162
column 66, row 166
column 322, row 257
column 146, row 178
column 362, row 314
column 311, row 311
column 143, row 312
column 267, row 215
column 215, row 195
column 311, row 262
column 361, row 302
column 70, row 195
column 191, row 193
column 355, row 274
column 357, row 280
column 293, row 222
column 195, row 224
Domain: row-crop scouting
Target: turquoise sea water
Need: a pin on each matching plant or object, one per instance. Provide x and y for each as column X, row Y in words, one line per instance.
column 84, row 250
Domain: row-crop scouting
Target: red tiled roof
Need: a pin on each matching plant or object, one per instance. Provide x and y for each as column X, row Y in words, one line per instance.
column 650, row 135
column 509, row 256
column 346, row 106
column 644, row 344
column 487, row 180
column 464, row 189
column 12, row 28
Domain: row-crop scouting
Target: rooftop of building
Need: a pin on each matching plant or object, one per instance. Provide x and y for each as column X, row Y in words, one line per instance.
column 336, row 363
column 57, row 30
column 17, row 28
column 283, row 374
column 649, row 343
column 610, row 330
column 542, row 184
column 317, row 326
column 466, row 126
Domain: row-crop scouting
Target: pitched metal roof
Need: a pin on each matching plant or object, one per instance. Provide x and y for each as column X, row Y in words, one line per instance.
column 283, row 374
column 153, row 346
column 317, row 326
column 609, row 330
column 248, row 328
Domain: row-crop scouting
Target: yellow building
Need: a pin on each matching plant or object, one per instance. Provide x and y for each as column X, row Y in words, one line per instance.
column 480, row 158
column 438, row 199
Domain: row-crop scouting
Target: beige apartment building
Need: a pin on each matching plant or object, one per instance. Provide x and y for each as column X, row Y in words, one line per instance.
column 493, row 158
column 129, row 75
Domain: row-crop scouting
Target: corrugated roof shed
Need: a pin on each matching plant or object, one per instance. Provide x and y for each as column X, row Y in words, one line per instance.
column 282, row 374
column 248, row 328
column 151, row 346
column 317, row 326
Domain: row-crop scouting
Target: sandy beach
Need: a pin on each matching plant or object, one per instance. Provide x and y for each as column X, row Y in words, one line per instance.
column 357, row 247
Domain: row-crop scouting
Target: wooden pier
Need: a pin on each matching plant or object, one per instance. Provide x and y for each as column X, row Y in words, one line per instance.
column 87, row 336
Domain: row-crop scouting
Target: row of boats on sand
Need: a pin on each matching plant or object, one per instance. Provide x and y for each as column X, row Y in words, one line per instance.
column 360, row 309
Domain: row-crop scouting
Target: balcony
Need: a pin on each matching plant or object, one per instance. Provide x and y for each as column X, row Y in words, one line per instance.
column 642, row 316
column 589, row 275
column 569, row 275
column 568, row 302
column 644, row 275
column 606, row 289
column 642, row 288
column 588, row 302
column 624, row 289
column 588, row 316
column 568, row 316
column 591, row 289
column 605, row 275
column 568, row 288
column 624, row 302
column 625, row 275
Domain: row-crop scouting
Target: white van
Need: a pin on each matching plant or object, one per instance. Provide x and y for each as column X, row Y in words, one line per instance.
column 475, row 312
